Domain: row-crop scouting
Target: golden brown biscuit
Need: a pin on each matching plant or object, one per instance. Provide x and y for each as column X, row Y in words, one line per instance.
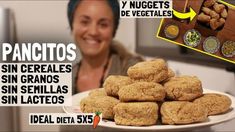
column 113, row 83
column 103, row 104
column 98, row 92
column 170, row 74
column 183, row 88
column 149, row 71
column 142, row 91
column 215, row 103
column 182, row 112
column 136, row 113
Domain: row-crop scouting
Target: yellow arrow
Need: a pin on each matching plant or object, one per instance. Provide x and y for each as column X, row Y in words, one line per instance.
column 190, row 14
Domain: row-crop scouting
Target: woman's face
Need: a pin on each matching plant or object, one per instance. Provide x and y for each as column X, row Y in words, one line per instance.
column 93, row 26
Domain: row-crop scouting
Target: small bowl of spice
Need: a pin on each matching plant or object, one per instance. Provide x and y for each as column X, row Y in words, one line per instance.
column 211, row 45
column 228, row 49
column 192, row 38
column 171, row 31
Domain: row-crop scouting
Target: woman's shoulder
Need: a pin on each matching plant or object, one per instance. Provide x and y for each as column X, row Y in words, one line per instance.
column 118, row 49
column 123, row 59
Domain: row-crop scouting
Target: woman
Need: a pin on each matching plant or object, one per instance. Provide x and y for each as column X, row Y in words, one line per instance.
column 94, row 24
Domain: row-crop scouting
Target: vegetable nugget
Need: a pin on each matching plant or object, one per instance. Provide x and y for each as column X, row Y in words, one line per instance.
column 136, row 113
column 183, row 88
column 182, row 112
column 103, row 104
column 142, row 91
column 215, row 103
column 149, row 71
column 113, row 83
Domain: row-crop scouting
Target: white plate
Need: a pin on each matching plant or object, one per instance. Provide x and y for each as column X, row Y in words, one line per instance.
column 212, row 120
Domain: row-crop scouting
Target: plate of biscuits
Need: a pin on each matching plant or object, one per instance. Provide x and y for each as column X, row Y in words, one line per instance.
column 152, row 97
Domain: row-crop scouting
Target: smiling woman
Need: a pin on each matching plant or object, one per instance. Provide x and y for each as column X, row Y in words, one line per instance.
column 93, row 25
column 92, row 29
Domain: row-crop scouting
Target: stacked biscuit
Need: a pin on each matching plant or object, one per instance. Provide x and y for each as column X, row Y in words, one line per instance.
column 151, row 91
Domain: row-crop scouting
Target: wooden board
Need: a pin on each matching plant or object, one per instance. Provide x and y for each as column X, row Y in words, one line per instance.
column 226, row 33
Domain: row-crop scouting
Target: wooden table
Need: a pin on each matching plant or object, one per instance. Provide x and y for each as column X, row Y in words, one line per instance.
column 226, row 33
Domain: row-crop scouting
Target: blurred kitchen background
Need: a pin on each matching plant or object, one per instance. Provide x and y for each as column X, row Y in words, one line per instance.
column 46, row 21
